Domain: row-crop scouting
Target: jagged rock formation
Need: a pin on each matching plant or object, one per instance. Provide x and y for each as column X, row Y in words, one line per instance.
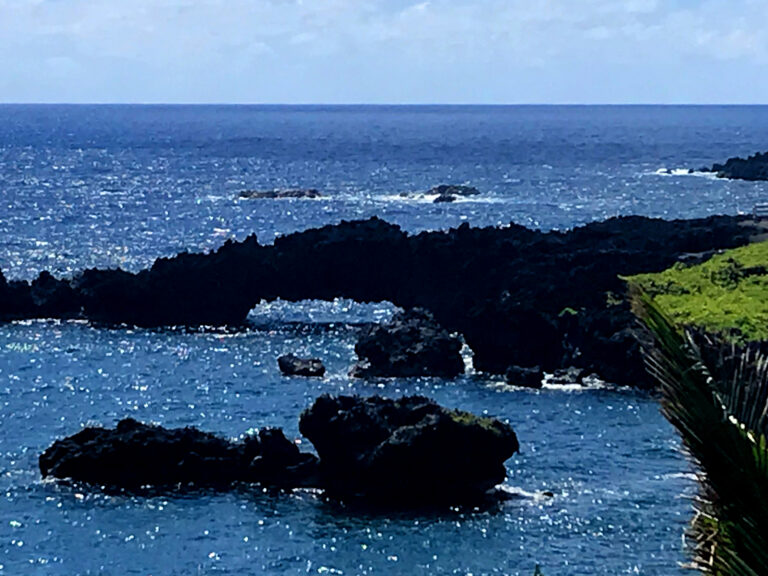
column 135, row 455
column 402, row 452
column 412, row 343
column 752, row 168
column 518, row 296
column 409, row 450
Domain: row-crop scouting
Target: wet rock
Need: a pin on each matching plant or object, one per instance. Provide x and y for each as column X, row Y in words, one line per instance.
column 54, row 298
column 411, row 344
column 753, row 168
column 454, row 190
column 406, row 451
column 278, row 194
column 135, row 455
column 292, row 365
column 570, row 375
column 524, row 377
column 443, row 198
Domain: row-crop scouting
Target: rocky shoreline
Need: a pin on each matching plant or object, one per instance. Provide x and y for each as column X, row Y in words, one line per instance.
column 753, row 168
column 518, row 297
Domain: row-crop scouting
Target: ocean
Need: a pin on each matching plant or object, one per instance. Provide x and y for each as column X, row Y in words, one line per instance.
column 108, row 186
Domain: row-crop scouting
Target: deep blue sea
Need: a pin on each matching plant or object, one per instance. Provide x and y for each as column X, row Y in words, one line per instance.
column 109, row 186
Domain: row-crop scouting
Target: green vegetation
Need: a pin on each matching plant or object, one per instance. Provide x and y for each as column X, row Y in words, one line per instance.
column 716, row 395
column 728, row 293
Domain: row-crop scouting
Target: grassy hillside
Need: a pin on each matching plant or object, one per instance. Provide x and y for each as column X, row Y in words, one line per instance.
column 729, row 292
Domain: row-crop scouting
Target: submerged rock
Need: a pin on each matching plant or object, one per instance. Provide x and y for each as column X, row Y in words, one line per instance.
column 406, row 451
column 278, row 194
column 292, row 365
column 753, row 168
column 411, row 344
column 135, row 455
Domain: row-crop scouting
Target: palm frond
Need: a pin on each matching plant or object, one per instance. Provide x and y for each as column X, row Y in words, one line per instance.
column 717, row 398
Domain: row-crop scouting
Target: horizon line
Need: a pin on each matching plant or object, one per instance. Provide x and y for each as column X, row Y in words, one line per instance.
column 394, row 105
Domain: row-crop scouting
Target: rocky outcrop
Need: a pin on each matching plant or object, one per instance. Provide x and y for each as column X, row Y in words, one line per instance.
column 402, row 452
column 279, row 194
column 409, row 450
column 517, row 296
column 135, row 455
column 753, row 168
column 411, row 344
column 451, row 192
column 292, row 365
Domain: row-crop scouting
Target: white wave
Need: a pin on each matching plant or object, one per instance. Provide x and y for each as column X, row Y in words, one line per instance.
column 430, row 199
column 684, row 172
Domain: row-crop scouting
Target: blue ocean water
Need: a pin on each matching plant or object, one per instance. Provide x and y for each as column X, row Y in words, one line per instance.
column 121, row 185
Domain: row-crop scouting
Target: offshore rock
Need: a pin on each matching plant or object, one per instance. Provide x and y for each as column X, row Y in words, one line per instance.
column 406, row 451
column 281, row 194
column 454, row 190
column 411, row 344
column 135, row 455
column 292, row 365
column 451, row 192
column 753, row 168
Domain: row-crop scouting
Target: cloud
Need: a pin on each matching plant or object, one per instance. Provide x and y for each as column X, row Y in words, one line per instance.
column 383, row 50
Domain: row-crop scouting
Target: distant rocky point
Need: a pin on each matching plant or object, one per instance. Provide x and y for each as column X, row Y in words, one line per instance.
column 278, row 194
column 753, row 168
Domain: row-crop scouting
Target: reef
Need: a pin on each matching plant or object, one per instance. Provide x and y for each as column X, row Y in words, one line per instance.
column 518, row 297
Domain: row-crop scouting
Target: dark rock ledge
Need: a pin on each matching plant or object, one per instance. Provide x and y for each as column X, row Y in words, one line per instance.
column 518, row 297
column 753, row 168
column 409, row 451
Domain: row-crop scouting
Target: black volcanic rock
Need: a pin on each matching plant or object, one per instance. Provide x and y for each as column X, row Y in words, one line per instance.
column 54, row 298
column 454, row 190
column 444, row 198
column 524, row 377
column 135, row 455
column 280, row 194
column 406, row 451
column 753, row 168
column 411, row 344
column 517, row 296
column 451, row 192
column 292, row 365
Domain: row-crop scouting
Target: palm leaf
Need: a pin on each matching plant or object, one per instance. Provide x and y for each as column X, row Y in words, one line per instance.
column 717, row 398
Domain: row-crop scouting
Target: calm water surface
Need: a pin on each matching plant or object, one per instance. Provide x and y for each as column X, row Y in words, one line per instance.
column 108, row 186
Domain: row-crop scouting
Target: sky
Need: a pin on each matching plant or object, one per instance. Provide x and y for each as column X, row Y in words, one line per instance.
column 384, row 51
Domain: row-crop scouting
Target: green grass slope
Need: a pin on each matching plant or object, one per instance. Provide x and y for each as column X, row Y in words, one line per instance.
column 728, row 293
